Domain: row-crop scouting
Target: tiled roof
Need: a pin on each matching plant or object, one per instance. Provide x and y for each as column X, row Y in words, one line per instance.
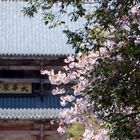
column 21, row 35
column 30, row 106
column 30, row 101
column 29, row 113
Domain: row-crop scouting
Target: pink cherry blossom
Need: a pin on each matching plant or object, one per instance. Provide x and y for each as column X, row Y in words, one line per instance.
column 69, row 59
column 88, row 134
column 135, row 9
column 102, row 135
column 61, row 129
column 77, row 72
column 58, row 91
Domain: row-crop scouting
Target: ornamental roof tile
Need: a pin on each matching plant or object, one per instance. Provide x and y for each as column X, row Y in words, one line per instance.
column 30, row 106
column 30, row 113
column 30, row 101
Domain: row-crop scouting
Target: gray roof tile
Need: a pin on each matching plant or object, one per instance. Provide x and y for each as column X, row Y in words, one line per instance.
column 21, row 35
column 30, row 106
column 30, row 113
column 30, row 101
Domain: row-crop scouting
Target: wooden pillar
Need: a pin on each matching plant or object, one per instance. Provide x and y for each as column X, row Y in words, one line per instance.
column 42, row 134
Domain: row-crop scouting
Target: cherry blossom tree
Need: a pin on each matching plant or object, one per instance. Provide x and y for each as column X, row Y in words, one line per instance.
column 105, row 69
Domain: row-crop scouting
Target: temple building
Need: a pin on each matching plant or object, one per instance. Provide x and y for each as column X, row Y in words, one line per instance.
column 27, row 46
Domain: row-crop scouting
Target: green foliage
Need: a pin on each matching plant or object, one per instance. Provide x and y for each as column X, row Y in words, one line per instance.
column 116, row 87
column 75, row 131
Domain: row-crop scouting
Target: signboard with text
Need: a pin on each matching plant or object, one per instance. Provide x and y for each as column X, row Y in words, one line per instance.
column 15, row 88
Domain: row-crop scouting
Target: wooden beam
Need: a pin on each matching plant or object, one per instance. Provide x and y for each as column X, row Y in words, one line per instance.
column 24, row 133
column 23, row 80
column 35, row 57
column 20, row 67
column 30, row 67
column 17, row 133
